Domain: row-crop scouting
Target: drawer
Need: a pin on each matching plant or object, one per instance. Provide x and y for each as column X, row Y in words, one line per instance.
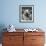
column 12, row 44
column 21, row 44
column 37, row 44
column 16, row 41
column 13, row 33
column 12, row 38
column 34, row 33
column 8, row 44
column 37, row 39
column 27, row 37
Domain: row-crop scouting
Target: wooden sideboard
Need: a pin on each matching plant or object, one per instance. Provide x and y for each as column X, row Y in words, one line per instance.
column 23, row 38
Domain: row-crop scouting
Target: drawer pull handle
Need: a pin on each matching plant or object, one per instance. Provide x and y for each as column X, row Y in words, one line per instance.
column 10, row 38
column 33, row 39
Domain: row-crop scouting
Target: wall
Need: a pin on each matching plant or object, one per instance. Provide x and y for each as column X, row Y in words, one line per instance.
column 9, row 13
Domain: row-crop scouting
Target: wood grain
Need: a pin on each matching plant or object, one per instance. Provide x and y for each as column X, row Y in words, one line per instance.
column 23, row 38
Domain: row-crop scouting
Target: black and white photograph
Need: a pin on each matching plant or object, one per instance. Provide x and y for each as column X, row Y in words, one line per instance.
column 26, row 13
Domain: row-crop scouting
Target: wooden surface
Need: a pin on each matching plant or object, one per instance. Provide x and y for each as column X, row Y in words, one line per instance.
column 13, row 39
column 21, row 38
column 34, row 39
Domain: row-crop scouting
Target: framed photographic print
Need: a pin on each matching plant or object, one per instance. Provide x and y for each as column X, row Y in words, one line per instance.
column 26, row 13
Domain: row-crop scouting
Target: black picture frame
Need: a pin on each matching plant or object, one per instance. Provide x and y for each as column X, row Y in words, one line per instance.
column 26, row 13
